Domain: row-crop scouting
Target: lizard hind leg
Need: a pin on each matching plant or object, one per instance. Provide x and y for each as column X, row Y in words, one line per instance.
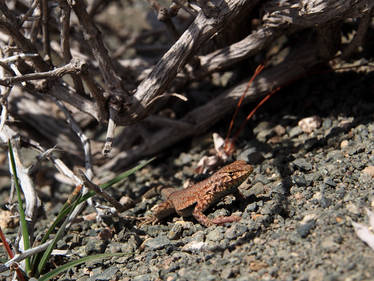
column 204, row 220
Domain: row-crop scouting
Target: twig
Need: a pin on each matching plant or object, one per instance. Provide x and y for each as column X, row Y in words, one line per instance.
column 17, row 57
column 29, row 12
column 166, row 69
column 84, row 140
column 90, row 185
column 98, row 96
column 201, row 118
column 112, row 79
column 24, row 44
column 10, row 254
column 75, row 66
column 45, row 31
column 257, row 71
column 65, row 43
column 113, row 116
column 163, row 16
column 27, row 253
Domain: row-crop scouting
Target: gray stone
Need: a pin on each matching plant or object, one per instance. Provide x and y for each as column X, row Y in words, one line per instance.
column 304, row 229
column 257, row 189
column 235, row 231
column 299, row 180
column 107, row 274
column 215, row 235
column 294, row 132
column 302, row 164
column 176, row 231
column 94, row 246
column 157, row 243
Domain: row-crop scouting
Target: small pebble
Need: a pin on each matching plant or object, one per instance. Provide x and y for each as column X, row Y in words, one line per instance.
column 157, row 243
column 304, row 229
column 316, row 275
column 344, row 144
column 302, row 164
column 195, row 246
column 309, row 124
column 294, row 132
column 279, row 130
column 369, row 170
column 215, row 235
column 352, row 208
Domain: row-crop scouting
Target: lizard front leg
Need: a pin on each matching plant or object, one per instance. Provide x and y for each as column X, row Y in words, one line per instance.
column 204, row 220
column 162, row 210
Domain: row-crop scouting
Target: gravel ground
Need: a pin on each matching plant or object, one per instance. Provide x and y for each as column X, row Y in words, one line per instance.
column 305, row 190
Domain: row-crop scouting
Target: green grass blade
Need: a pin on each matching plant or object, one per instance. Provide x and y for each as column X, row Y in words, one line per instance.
column 67, row 208
column 58, row 236
column 71, row 264
column 60, row 217
column 25, row 232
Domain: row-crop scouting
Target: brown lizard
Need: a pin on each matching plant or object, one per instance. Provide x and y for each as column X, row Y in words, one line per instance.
column 195, row 199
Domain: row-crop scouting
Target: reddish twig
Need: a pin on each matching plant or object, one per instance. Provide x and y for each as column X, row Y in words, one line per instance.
column 257, row 71
column 229, row 144
column 10, row 254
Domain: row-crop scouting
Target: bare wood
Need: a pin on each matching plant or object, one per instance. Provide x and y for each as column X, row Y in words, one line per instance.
column 75, row 66
column 111, row 77
column 280, row 18
column 201, row 118
column 166, row 69
column 65, row 42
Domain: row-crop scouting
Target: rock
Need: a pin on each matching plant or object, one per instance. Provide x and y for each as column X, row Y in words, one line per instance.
column 316, row 275
column 257, row 189
column 215, row 235
column 94, row 246
column 369, row 170
column 235, row 231
column 299, row 180
column 309, row 124
column 326, row 124
column 252, row 207
column 279, row 130
column 145, row 277
column 330, row 182
column 325, row 202
column 306, row 226
column 107, row 274
column 264, row 125
column 157, row 243
column 352, row 208
column 195, row 246
column 302, row 164
column 257, row 265
column 176, row 231
column 294, row 132
column 329, row 244
column 344, row 144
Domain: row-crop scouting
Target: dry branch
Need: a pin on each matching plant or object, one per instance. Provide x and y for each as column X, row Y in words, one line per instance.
column 109, row 98
column 166, row 69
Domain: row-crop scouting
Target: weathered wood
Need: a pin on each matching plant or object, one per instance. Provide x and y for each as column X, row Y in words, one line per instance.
column 184, row 62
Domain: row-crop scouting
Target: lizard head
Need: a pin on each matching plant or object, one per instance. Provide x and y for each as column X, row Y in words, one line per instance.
column 236, row 172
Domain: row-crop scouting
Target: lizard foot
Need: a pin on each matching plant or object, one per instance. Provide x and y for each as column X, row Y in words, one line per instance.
column 223, row 220
column 148, row 220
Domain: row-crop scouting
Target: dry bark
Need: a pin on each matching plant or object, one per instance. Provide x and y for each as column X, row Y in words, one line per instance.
column 110, row 94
